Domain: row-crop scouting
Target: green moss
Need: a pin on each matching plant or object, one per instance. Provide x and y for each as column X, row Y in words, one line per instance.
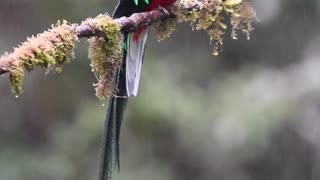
column 48, row 50
column 165, row 28
column 209, row 16
column 241, row 20
column 16, row 79
column 105, row 54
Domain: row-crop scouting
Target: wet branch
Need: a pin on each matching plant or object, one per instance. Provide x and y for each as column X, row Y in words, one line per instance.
column 126, row 24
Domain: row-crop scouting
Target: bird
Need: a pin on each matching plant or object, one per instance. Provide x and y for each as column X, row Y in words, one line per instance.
column 126, row 80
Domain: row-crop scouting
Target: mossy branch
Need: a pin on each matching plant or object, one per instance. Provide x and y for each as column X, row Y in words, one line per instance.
column 53, row 48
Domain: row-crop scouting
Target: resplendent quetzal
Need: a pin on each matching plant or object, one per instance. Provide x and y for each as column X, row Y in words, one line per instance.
column 127, row 81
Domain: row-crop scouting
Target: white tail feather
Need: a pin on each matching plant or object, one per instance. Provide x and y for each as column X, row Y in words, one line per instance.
column 133, row 63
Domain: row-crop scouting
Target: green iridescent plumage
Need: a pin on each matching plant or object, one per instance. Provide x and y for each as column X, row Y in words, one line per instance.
column 127, row 42
column 136, row 2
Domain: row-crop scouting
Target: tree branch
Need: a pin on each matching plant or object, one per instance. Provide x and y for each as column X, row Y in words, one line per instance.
column 2, row 71
column 54, row 47
column 127, row 24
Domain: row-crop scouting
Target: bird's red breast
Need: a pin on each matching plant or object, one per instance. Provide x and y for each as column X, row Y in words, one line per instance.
column 153, row 5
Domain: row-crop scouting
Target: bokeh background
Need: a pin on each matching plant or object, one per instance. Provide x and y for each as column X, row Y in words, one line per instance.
column 250, row 113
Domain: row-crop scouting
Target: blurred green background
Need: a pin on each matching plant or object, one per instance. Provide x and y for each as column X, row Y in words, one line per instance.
column 252, row 113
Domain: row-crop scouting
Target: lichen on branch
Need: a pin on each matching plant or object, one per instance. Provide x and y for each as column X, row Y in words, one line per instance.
column 105, row 54
column 208, row 15
column 50, row 49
